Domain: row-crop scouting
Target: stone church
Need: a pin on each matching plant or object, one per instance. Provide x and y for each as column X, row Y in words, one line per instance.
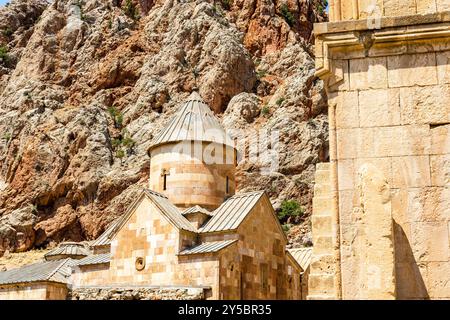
column 187, row 236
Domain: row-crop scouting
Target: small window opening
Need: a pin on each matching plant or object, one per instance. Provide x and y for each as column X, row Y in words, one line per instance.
column 227, row 187
column 165, row 181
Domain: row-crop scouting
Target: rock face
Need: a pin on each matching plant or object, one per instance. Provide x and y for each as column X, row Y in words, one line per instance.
column 85, row 85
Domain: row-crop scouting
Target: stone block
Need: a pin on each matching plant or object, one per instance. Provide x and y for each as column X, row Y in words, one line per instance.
column 440, row 170
column 443, row 65
column 425, row 105
column 412, row 70
column 322, row 225
column 379, row 108
column 397, row 8
column 438, row 280
column 427, row 248
column 442, row 5
column 440, row 139
column 368, row 73
column 348, row 141
column 322, row 244
column 347, row 110
column 426, row 6
column 346, row 174
column 322, row 205
column 323, row 264
column 411, row 172
column 321, row 283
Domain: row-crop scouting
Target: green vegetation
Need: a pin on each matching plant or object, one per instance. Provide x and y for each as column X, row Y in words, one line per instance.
column 131, row 10
column 117, row 117
column 120, row 154
column 8, row 32
column 123, row 145
column 265, row 110
column 4, row 56
column 287, row 14
column 280, row 101
column 226, row 4
column 261, row 74
column 7, row 136
column 321, row 6
column 286, row 227
column 290, row 208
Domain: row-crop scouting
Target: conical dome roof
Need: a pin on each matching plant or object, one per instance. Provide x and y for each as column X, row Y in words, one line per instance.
column 194, row 122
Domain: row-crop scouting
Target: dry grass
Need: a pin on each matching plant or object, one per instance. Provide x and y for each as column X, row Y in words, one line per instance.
column 15, row 260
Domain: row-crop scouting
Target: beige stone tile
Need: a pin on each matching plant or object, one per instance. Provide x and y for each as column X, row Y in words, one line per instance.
column 411, row 172
column 426, row 6
column 412, row 70
column 347, row 110
column 443, row 65
column 440, row 170
column 430, row 204
column 399, row 7
column 379, row 107
column 425, row 105
column 440, row 139
column 430, row 241
column 370, row 8
column 384, row 165
column 443, row 5
column 438, row 282
column 346, row 174
column 348, row 200
column 368, row 73
column 348, row 141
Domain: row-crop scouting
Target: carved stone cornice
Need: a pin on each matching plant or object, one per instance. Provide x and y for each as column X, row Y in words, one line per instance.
column 354, row 39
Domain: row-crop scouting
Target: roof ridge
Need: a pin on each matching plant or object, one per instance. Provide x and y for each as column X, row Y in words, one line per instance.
column 63, row 262
column 155, row 193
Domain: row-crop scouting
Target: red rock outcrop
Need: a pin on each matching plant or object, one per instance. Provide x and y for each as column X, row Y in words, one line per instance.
column 85, row 85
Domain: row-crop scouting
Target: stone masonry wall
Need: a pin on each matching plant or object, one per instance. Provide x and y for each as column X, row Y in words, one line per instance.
column 257, row 268
column 389, row 106
column 191, row 181
column 34, row 291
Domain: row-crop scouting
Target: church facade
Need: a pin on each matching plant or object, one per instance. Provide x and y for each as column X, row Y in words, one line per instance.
column 188, row 231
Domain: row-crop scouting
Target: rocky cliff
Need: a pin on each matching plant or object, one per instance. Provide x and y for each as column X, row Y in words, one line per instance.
column 86, row 84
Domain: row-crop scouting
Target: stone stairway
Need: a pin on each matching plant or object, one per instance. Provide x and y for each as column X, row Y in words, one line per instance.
column 322, row 278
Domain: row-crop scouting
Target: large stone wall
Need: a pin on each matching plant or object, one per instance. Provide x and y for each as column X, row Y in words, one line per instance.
column 389, row 107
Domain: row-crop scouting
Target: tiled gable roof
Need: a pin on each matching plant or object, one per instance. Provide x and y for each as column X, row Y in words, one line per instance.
column 232, row 212
column 93, row 259
column 54, row 271
column 302, row 256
